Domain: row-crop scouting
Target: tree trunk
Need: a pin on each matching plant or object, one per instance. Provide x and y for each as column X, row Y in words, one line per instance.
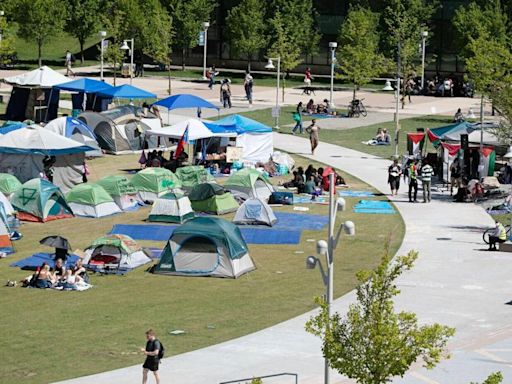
column 284, row 86
column 183, row 51
column 115, row 72
column 170, row 89
column 354, row 94
column 82, row 51
column 39, row 47
column 249, row 65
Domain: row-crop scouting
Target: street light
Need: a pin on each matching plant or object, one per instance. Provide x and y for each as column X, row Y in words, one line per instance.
column 270, row 65
column 1, row 14
column 206, row 25
column 124, row 47
column 103, row 34
column 326, row 248
column 397, row 105
column 332, row 46
column 424, row 35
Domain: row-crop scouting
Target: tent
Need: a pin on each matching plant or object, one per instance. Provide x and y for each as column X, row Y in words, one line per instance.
column 121, row 190
column 184, row 101
column 91, row 200
column 155, row 182
column 5, row 238
column 251, row 182
column 212, row 198
column 86, row 91
column 8, row 184
column 192, row 175
column 40, row 200
column 115, row 253
column 22, row 153
column 77, row 130
column 122, row 129
column 206, row 246
column 255, row 139
column 253, row 212
column 8, row 209
column 126, row 91
column 196, row 130
column 32, row 96
column 171, row 208
column 9, row 126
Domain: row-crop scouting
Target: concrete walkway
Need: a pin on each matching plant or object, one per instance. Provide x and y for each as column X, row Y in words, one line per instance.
column 454, row 282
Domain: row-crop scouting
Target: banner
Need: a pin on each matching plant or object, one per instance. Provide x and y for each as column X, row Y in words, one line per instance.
column 415, row 143
column 489, row 157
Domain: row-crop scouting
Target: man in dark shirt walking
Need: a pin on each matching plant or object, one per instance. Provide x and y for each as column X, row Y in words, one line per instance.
column 152, row 361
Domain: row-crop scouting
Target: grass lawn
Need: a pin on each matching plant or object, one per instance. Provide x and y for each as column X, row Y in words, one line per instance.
column 50, row 335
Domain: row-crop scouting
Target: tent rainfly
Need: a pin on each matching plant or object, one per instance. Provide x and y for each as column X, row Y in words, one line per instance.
column 192, row 175
column 155, row 182
column 250, row 182
column 255, row 211
column 8, row 184
column 171, row 208
column 206, row 246
column 76, row 130
column 91, row 200
column 121, row 190
column 212, row 198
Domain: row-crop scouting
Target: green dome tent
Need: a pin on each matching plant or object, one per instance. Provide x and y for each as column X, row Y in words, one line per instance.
column 91, row 200
column 192, row 175
column 212, row 198
column 206, row 246
column 171, row 208
column 8, row 184
column 121, row 190
column 40, row 200
column 154, row 182
column 250, row 182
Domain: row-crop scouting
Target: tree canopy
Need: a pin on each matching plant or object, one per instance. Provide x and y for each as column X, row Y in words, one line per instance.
column 83, row 20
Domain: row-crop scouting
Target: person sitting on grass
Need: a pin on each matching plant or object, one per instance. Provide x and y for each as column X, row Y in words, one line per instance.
column 44, row 278
column 310, row 106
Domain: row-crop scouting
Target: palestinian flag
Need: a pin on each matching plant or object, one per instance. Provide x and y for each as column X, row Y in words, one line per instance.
column 415, row 143
column 450, row 152
column 489, row 157
column 434, row 139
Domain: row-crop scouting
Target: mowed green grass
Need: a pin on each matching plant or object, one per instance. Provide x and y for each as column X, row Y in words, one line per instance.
column 50, row 335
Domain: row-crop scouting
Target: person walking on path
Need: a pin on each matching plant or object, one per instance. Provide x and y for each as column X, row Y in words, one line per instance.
column 211, row 75
column 152, row 351
column 499, row 236
column 455, row 175
column 313, row 130
column 68, row 63
column 248, row 81
column 394, row 173
column 225, row 93
column 297, row 116
column 426, row 179
column 413, row 181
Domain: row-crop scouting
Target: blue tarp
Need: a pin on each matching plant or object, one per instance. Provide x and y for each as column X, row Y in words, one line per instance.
column 10, row 126
column 36, row 260
column 374, row 206
column 84, row 85
column 126, row 91
column 184, row 101
column 240, row 125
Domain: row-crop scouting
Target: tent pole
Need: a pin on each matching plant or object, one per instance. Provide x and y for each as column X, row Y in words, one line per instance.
column 48, row 106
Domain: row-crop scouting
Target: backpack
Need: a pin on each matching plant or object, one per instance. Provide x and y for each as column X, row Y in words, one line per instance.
column 161, row 351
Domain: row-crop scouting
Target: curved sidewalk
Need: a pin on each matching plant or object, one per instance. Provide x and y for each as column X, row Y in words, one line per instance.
column 453, row 282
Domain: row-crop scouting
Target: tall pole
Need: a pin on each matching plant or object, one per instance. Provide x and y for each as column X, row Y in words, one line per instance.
column 277, row 90
column 397, row 106
column 206, row 24
column 102, row 34
column 332, row 46
column 1, row 14
column 424, row 35
column 131, row 61
column 330, row 265
column 481, row 162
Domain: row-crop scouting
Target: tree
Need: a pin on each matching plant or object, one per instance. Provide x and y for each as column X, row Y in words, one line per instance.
column 83, row 20
column 360, row 60
column 188, row 17
column 246, row 27
column 114, row 24
column 495, row 378
column 41, row 20
column 284, row 47
column 6, row 42
column 373, row 343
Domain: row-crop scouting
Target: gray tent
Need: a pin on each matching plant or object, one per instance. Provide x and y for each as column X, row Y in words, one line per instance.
column 253, row 212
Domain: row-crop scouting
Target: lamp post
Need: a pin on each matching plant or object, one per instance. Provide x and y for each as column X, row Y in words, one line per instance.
column 424, row 35
column 125, row 47
column 270, row 65
column 326, row 248
column 103, row 34
column 206, row 25
column 397, row 105
column 332, row 46
column 1, row 14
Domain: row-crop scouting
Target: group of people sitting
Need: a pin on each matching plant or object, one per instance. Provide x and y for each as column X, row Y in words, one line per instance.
column 156, row 159
column 381, row 138
column 324, row 107
column 58, row 277
column 312, row 181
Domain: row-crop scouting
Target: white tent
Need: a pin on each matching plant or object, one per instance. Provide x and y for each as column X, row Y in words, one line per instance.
column 196, row 130
column 255, row 211
column 44, row 77
column 171, row 208
column 9, row 210
column 77, row 130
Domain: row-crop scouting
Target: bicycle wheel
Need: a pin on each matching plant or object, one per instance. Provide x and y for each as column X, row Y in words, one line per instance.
column 486, row 235
column 363, row 110
column 356, row 112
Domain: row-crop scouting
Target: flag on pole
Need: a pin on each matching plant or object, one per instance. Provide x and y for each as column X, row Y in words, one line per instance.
column 415, row 143
column 181, row 144
column 489, row 157
column 434, row 139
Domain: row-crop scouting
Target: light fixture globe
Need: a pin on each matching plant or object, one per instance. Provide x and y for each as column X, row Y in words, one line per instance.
column 270, row 64
column 125, row 45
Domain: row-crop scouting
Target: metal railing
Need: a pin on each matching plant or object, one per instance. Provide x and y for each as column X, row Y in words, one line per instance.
column 248, row 380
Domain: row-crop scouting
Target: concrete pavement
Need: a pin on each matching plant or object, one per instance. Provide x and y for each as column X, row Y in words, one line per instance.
column 454, row 282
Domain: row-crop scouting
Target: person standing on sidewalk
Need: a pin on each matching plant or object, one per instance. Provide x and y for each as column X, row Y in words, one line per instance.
column 394, row 173
column 413, row 181
column 313, row 130
column 225, row 93
column 248, row 87
column 297, row 116
column 152, row 351
column 426, row 179
column 68, row 63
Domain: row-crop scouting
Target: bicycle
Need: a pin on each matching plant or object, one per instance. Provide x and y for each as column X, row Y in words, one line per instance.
column 489, row 231
column 356, row 108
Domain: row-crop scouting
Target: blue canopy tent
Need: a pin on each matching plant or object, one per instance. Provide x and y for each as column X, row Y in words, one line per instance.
column 183, row 101
column 86, row 86
column 126, row 91
column 240, row 125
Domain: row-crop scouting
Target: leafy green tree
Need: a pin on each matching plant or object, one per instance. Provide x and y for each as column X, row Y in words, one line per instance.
column 373, row 343
column 116, row 29
column 495, row 378
column 360, row 59
column 41, row 20
column 246, row 28
column 284, row 47
column 6, row 42
column 83, row 21
column 188, row 17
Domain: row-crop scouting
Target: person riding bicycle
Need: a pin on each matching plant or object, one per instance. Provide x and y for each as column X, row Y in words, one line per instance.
column 498, row 236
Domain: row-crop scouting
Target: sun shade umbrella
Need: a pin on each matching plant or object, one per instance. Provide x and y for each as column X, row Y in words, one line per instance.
column 126, row 91
column 184, row 101
column 56, row 241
